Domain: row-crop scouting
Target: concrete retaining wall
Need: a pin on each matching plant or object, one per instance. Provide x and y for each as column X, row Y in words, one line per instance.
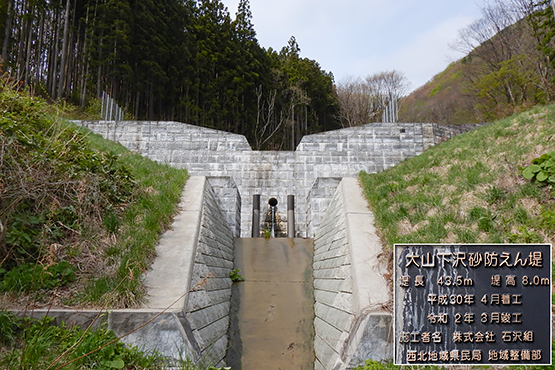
column 192, row 267
column 333, row 288
column 208, row 303
column 189, row 288
column 351, row 293
column 333, row 154
column 318, row 199
column 229, row 200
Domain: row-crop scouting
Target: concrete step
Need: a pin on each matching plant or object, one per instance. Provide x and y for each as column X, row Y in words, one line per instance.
column 272, row 311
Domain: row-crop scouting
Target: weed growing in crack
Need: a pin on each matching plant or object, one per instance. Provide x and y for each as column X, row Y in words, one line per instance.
column 235, row 276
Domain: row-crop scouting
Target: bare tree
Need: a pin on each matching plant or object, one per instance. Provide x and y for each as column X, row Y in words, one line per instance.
column 354, row 102
column 507, row 52
column 362, row 100
column 266, row 123
column 497, row 16
column 388, row 86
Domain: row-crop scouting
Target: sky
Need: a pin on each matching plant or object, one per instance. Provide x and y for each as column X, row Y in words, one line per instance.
column 357, row 38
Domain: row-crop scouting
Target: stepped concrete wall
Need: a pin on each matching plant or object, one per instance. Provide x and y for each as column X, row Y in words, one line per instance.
column 208, row 303
column 351, row 324
column 334, row 154
column 333, row 290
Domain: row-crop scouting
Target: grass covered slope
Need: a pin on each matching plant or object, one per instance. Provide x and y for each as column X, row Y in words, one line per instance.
column 79, row 216
column 470, row 189
column 36, row 344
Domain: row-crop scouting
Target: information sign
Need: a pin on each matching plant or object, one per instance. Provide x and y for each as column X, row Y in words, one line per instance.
column 472, row 304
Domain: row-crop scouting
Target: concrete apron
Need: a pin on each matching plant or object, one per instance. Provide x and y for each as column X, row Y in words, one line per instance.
column 272, row 311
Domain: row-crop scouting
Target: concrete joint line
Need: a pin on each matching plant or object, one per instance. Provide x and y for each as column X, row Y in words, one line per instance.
column 337, row 308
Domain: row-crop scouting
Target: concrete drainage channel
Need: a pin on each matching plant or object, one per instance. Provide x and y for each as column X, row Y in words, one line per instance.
column 272, row 311
column 305, row 303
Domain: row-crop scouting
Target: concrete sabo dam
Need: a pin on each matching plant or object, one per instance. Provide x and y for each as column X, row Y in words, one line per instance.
column 315, row 300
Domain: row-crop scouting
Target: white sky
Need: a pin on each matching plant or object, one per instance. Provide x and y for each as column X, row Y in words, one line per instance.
column 353, row 38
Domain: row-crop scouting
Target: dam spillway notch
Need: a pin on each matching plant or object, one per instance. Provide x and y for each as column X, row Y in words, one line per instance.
column 272, row 223
column 311, row 172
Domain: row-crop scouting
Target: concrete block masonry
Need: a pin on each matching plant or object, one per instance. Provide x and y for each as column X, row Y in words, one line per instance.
column 191, row 272
column 334, row 154
column 194, row 270
column 349, row 286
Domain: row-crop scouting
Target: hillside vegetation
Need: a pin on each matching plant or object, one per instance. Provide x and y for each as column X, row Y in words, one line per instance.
column 508, row 68
column 441, row 100
column 470, row 189
column 79, row 216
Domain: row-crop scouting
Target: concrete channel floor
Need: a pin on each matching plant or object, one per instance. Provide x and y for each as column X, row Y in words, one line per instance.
column 273, row 309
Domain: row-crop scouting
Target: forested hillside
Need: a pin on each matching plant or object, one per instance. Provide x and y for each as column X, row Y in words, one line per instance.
column 192, row 61
column 183, row 60
column 509, row 67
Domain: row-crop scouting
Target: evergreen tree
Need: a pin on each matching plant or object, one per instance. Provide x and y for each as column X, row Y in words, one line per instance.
column 184, row 60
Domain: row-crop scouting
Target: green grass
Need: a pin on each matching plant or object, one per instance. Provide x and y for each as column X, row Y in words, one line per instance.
column 79, row 215
column 388, row 365
column 36, row 344
column 469, row 189
column 139, row 229
column 79, row 220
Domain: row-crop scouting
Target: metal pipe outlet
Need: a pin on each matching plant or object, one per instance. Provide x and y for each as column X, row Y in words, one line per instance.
column 256, row 216
column 290, row 216
column 273, row 203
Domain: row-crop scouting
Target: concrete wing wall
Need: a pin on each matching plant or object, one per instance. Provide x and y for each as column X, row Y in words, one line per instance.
column 168, row 142
column 333, row 287
column 193, row 262
column 228, row 198
column 352, row 321
column 208, row 304
column 318, row 199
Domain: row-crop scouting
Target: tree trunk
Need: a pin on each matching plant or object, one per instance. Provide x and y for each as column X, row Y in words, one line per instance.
column 54, row 62
column 7, row 32
column 21, row 46
column 74, row 64
column 151, row 100
column 29, row 37
column 64, row 52
column 137, row 101
column 39, row 55
column 99, row 86
column 292, row 126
